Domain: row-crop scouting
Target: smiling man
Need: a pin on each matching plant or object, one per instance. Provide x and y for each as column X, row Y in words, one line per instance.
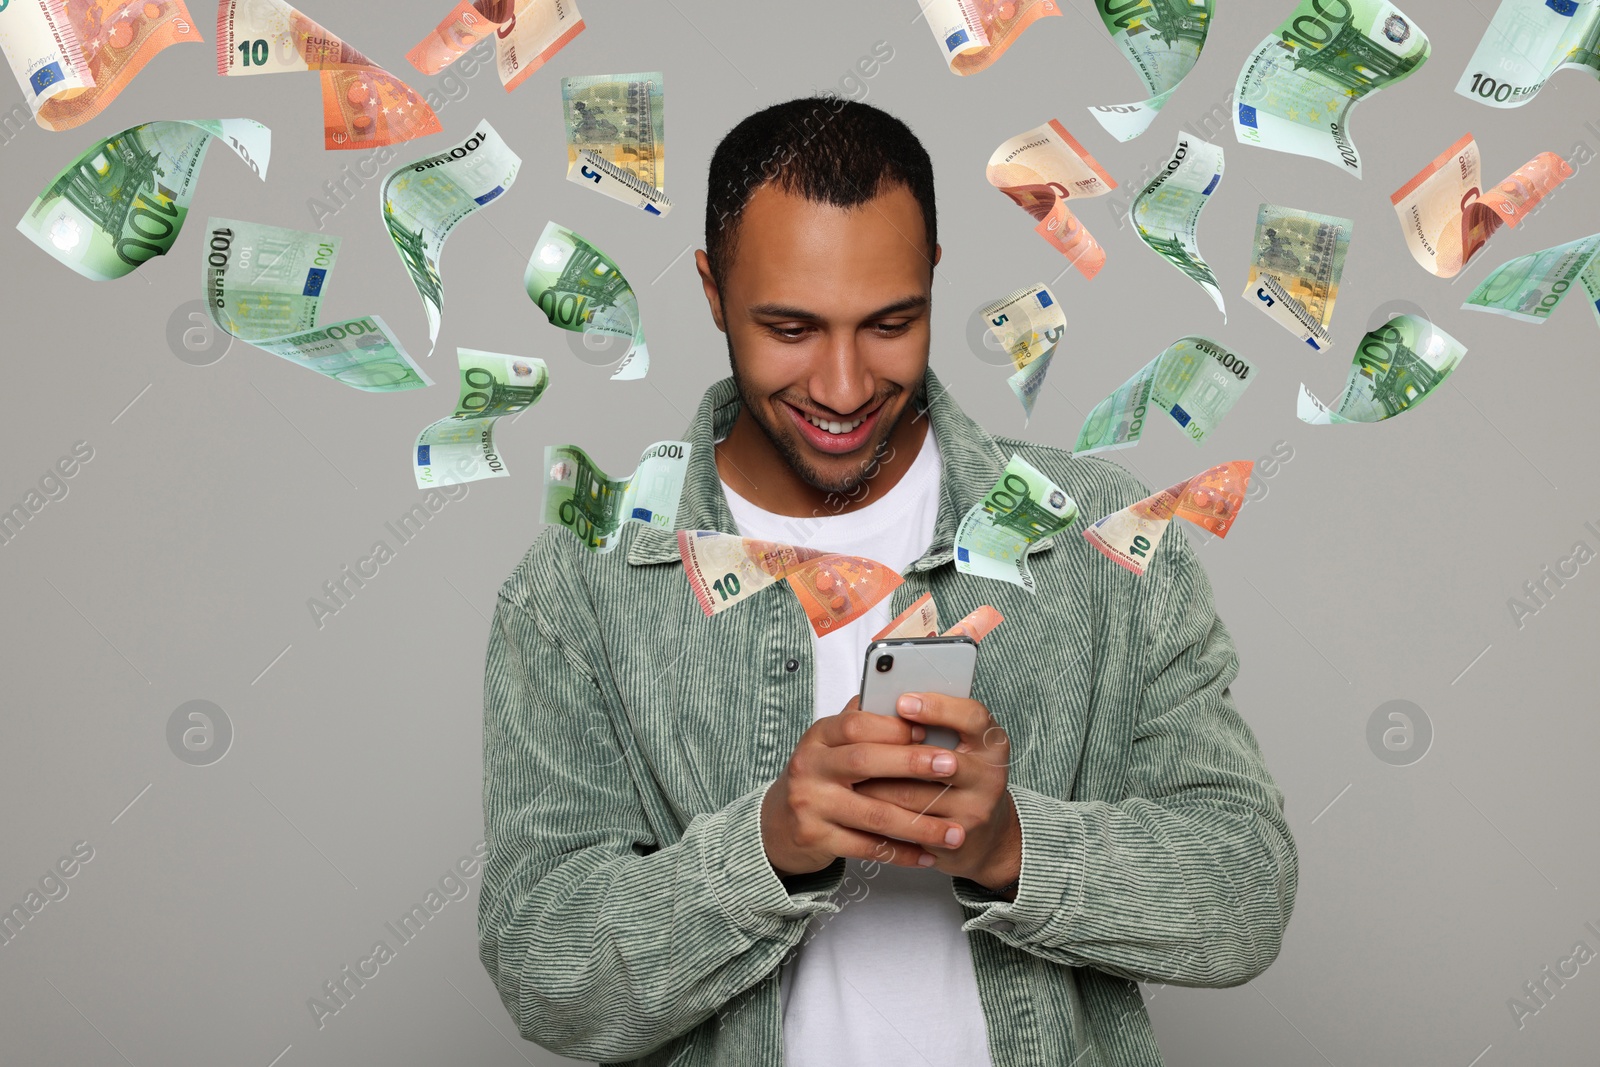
column 702, row 853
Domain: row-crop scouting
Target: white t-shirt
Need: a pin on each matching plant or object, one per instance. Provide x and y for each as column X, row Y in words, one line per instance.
column 887, row 981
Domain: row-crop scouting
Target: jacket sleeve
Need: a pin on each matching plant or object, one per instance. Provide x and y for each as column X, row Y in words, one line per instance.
column 1188, row 880
column 603, row 941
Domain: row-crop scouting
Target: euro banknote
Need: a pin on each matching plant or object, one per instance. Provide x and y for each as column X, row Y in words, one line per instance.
column 593, row 505
column 921, row 619
column 461, row 448
column 538, row 30
column 469, row 22
column 1196, row 381
column 363, row 105
column 1040, row 171
column 580, row 289
column 264, row 285
column 1211, row 499
column 1296, row 267
column 617, row 137
column 1528, row 41
column 425, row 199
column 1530, row 287
column 1397, row 367
column 834, row 589
column 1163, row 40
column 1024, row 508
column 1028, row 325
column 123, row 200
column 1167, row 211
column 1446, row 216
column 72, row 57
column 1297, row 89
column 972, row 34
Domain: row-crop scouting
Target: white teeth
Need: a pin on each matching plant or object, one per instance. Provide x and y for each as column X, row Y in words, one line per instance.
column 834, row 427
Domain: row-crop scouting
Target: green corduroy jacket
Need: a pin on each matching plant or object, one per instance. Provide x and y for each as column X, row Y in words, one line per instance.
column 628, row 912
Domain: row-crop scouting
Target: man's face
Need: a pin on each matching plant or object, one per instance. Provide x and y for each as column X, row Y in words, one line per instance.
column 826, row 311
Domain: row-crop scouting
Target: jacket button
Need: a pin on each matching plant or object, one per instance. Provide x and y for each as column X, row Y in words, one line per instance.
column 792, row 666
column 1004, row 926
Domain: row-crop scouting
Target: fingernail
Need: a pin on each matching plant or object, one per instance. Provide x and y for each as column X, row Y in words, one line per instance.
column 918, row 733
column 952, row 836
column 909, row 705
column 925, row 860
column 944, row 763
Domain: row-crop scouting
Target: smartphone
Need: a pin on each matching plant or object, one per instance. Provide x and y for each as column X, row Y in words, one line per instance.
column 943, row 665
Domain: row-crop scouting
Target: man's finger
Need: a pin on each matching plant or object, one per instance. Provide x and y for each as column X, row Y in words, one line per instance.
column 967, row 717
column 853, row 727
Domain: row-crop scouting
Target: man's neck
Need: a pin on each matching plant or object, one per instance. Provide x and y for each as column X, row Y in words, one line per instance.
column 749, row 464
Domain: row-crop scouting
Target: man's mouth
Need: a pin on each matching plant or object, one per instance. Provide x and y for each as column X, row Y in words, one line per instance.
column 831, row 435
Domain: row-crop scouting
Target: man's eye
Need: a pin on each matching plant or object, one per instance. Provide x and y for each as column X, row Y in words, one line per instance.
column 892, row 329
column 788, row 333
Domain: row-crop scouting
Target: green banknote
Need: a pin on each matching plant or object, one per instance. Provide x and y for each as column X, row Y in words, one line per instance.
column 1196, row 381
column 1296, row 90
column 461, row 448
column 1167, row 211
column 1527, row 42
column 617, row 136
column 1530, row 287
column 1023, row 508
column 425, row 199
column 1296, row 267
column 124, row 199
column 1397, row 367
column 264, row 285
column 579, row 288
column 593, row 505
column 1162, row 39
column 1027, row 325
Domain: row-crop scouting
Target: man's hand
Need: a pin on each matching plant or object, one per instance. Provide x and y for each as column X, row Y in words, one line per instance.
column 974, row 797
column 812, row 815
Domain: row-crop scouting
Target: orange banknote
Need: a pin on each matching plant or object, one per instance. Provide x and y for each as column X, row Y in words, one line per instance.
column 1042, row 170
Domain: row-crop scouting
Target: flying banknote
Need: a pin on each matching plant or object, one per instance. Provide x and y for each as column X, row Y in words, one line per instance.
column 363, row 105
column 617, row 137
column 1530, row 287
column 124, row 199
column 579, row 289
column 1297, row 89
column 1162, row 39
column 264, row 285
column 1448, row 218
column 72, row 57
column 594, row 505
column 1040, row 171
column 1296, row 268
column 461, row 448
column 974, row 33
column 1028, row 325
column 1527, row 41
column 1397, row 367
column 1167, row 211
column 1196, row 381
column 1024, row 508
column 423, row 201
column 1211, row 499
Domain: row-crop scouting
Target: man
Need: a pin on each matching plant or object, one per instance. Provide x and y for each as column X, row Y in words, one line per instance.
column 696, row 857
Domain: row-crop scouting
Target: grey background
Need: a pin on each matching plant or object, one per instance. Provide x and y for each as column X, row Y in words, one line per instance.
column 1377, row 566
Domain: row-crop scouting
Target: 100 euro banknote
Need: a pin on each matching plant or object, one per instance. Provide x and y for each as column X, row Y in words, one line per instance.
column 264, row 285
column 1166, row 213
column 1163, row 40
column 72, row 57
column 594, row 506
column 1527, row 41
column 461, row 448
column 1397, row 366
column 1196, row 381
column 1296, row 90
column 1024, row 508
column 580, row 289
column 123, row 201
column 1529, row 288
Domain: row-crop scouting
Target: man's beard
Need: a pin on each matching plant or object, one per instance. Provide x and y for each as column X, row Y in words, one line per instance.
column 790, row 451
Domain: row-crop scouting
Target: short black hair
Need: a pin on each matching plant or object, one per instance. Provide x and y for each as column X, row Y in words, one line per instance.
column 824, row 148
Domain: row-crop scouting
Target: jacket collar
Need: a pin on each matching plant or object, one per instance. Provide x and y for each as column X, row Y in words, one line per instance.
column 970, row 459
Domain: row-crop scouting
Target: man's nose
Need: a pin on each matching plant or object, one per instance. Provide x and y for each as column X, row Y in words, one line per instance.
column 841, row 380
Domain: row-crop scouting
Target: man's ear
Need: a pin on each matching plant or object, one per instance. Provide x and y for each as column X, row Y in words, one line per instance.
column 713, row 297
column 938, row 251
